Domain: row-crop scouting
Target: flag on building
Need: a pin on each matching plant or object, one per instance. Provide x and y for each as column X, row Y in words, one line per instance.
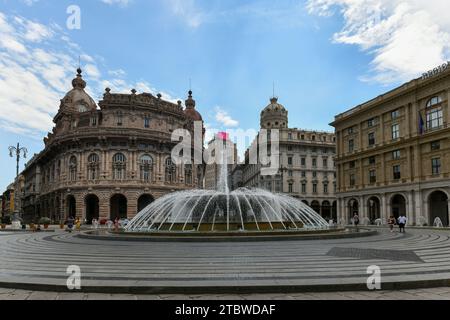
column 421, row 124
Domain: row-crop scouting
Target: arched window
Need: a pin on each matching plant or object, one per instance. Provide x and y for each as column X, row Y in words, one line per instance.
column 146, row 164
column 73, row 168
column 119, row 166
column 434, row 101
column 188, row 174
column 435, row 118
column 170, row 170
column 93, row 166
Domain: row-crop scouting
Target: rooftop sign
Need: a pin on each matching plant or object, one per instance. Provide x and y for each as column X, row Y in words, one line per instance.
column 436, row 71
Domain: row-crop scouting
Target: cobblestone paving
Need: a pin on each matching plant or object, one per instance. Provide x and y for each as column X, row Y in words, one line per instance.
column 417, row 294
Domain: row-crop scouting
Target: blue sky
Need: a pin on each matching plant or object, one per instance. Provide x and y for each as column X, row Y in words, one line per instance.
column 324, row 56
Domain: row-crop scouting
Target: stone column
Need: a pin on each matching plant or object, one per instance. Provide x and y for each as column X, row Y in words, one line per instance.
column 410, row 211
column 384, row 213
column 362, row 208
column 418, row 207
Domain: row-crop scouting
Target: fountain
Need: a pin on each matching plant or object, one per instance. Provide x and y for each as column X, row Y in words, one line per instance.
column 422, row 221
column 365, row 221
column 239, row 211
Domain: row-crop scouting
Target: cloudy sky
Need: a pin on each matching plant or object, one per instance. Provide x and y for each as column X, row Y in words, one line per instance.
column 324, row 56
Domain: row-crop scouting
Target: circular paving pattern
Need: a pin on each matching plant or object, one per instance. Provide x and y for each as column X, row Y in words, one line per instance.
column 39, row 261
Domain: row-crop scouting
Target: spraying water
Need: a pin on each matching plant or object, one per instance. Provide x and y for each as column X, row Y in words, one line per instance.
column 224, row 210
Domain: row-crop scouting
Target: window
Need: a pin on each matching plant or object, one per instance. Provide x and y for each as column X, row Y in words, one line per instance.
column 325, row 188
column 352, row 164
column 351, row 145
column 93, row 166
column 290, row 136
column 372, row 176
column 72, row 169
column 371, row 138
column 325, row 162
column 302, row 137
column 303, row 161
column 396, row 155
column 395, row 114
column 290, row 173
column 170, row 171
column 93, row 121
column 119, row 166
column 146, row 122
column 396, row 172
column 350, row 130
column 352, row 179
column 314, row 174
column 314, row 187
column 372, row 160
column 314, row 162
column 146, row 164
column 434, row 118
column 371, row 122
column 303, row 187
column 290, row 161
column 291, row 189
column 436, row 166
column 434, row 101
column 289, row 148
column 435, row 145
column 395, row 131
column 313, row 138
column 303, row 174
column 324, row 138
column 119, row 118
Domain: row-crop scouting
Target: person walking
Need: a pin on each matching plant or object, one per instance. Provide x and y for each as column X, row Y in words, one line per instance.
column 356, row 219
column 78, row 224
column 391, row 222
column 70, row 224
column 116, row 224
column 402, row 223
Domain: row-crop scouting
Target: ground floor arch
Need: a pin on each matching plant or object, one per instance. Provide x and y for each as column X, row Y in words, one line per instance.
column 71, row 206
column 315, row 205
column 326, row 210
column 92, row 208
column 118, row 206
column 438, row 206
column 352, row 209
column 374, row 209
column 398, row 205
column 143, row 201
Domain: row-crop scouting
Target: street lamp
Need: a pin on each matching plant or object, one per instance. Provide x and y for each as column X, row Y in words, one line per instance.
column 18, row 152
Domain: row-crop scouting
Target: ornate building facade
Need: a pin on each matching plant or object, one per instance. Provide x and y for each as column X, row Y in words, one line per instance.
column 109, row 160
column 307, row 169
column 394, row 154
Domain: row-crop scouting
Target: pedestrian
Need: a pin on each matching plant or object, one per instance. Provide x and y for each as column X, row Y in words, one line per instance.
column 391, row 222
column 356, row 219
column 116, row 224
column 78, row 224
column 70, row 224
column 402, row 223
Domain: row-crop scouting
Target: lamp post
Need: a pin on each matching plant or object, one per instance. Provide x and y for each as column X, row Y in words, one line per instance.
column 18, row 152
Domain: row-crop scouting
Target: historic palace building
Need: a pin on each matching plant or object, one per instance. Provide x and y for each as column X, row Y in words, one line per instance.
column 307, row 169
column 393, row 154
column 109, row 160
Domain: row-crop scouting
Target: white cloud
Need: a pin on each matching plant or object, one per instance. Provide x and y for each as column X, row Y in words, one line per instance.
column 188, row 11
column 122, row 3
column 223, row 118
column 405, row 38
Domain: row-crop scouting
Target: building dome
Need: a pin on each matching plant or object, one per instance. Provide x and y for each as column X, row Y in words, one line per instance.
column 274, row 115
column 190, row 111
column 77, row 99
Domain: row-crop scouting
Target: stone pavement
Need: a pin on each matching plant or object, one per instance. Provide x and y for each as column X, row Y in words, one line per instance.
column 442, row 293
column 39, row 261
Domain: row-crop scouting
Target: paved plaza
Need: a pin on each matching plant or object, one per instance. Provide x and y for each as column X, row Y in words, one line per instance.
column 298, row 269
